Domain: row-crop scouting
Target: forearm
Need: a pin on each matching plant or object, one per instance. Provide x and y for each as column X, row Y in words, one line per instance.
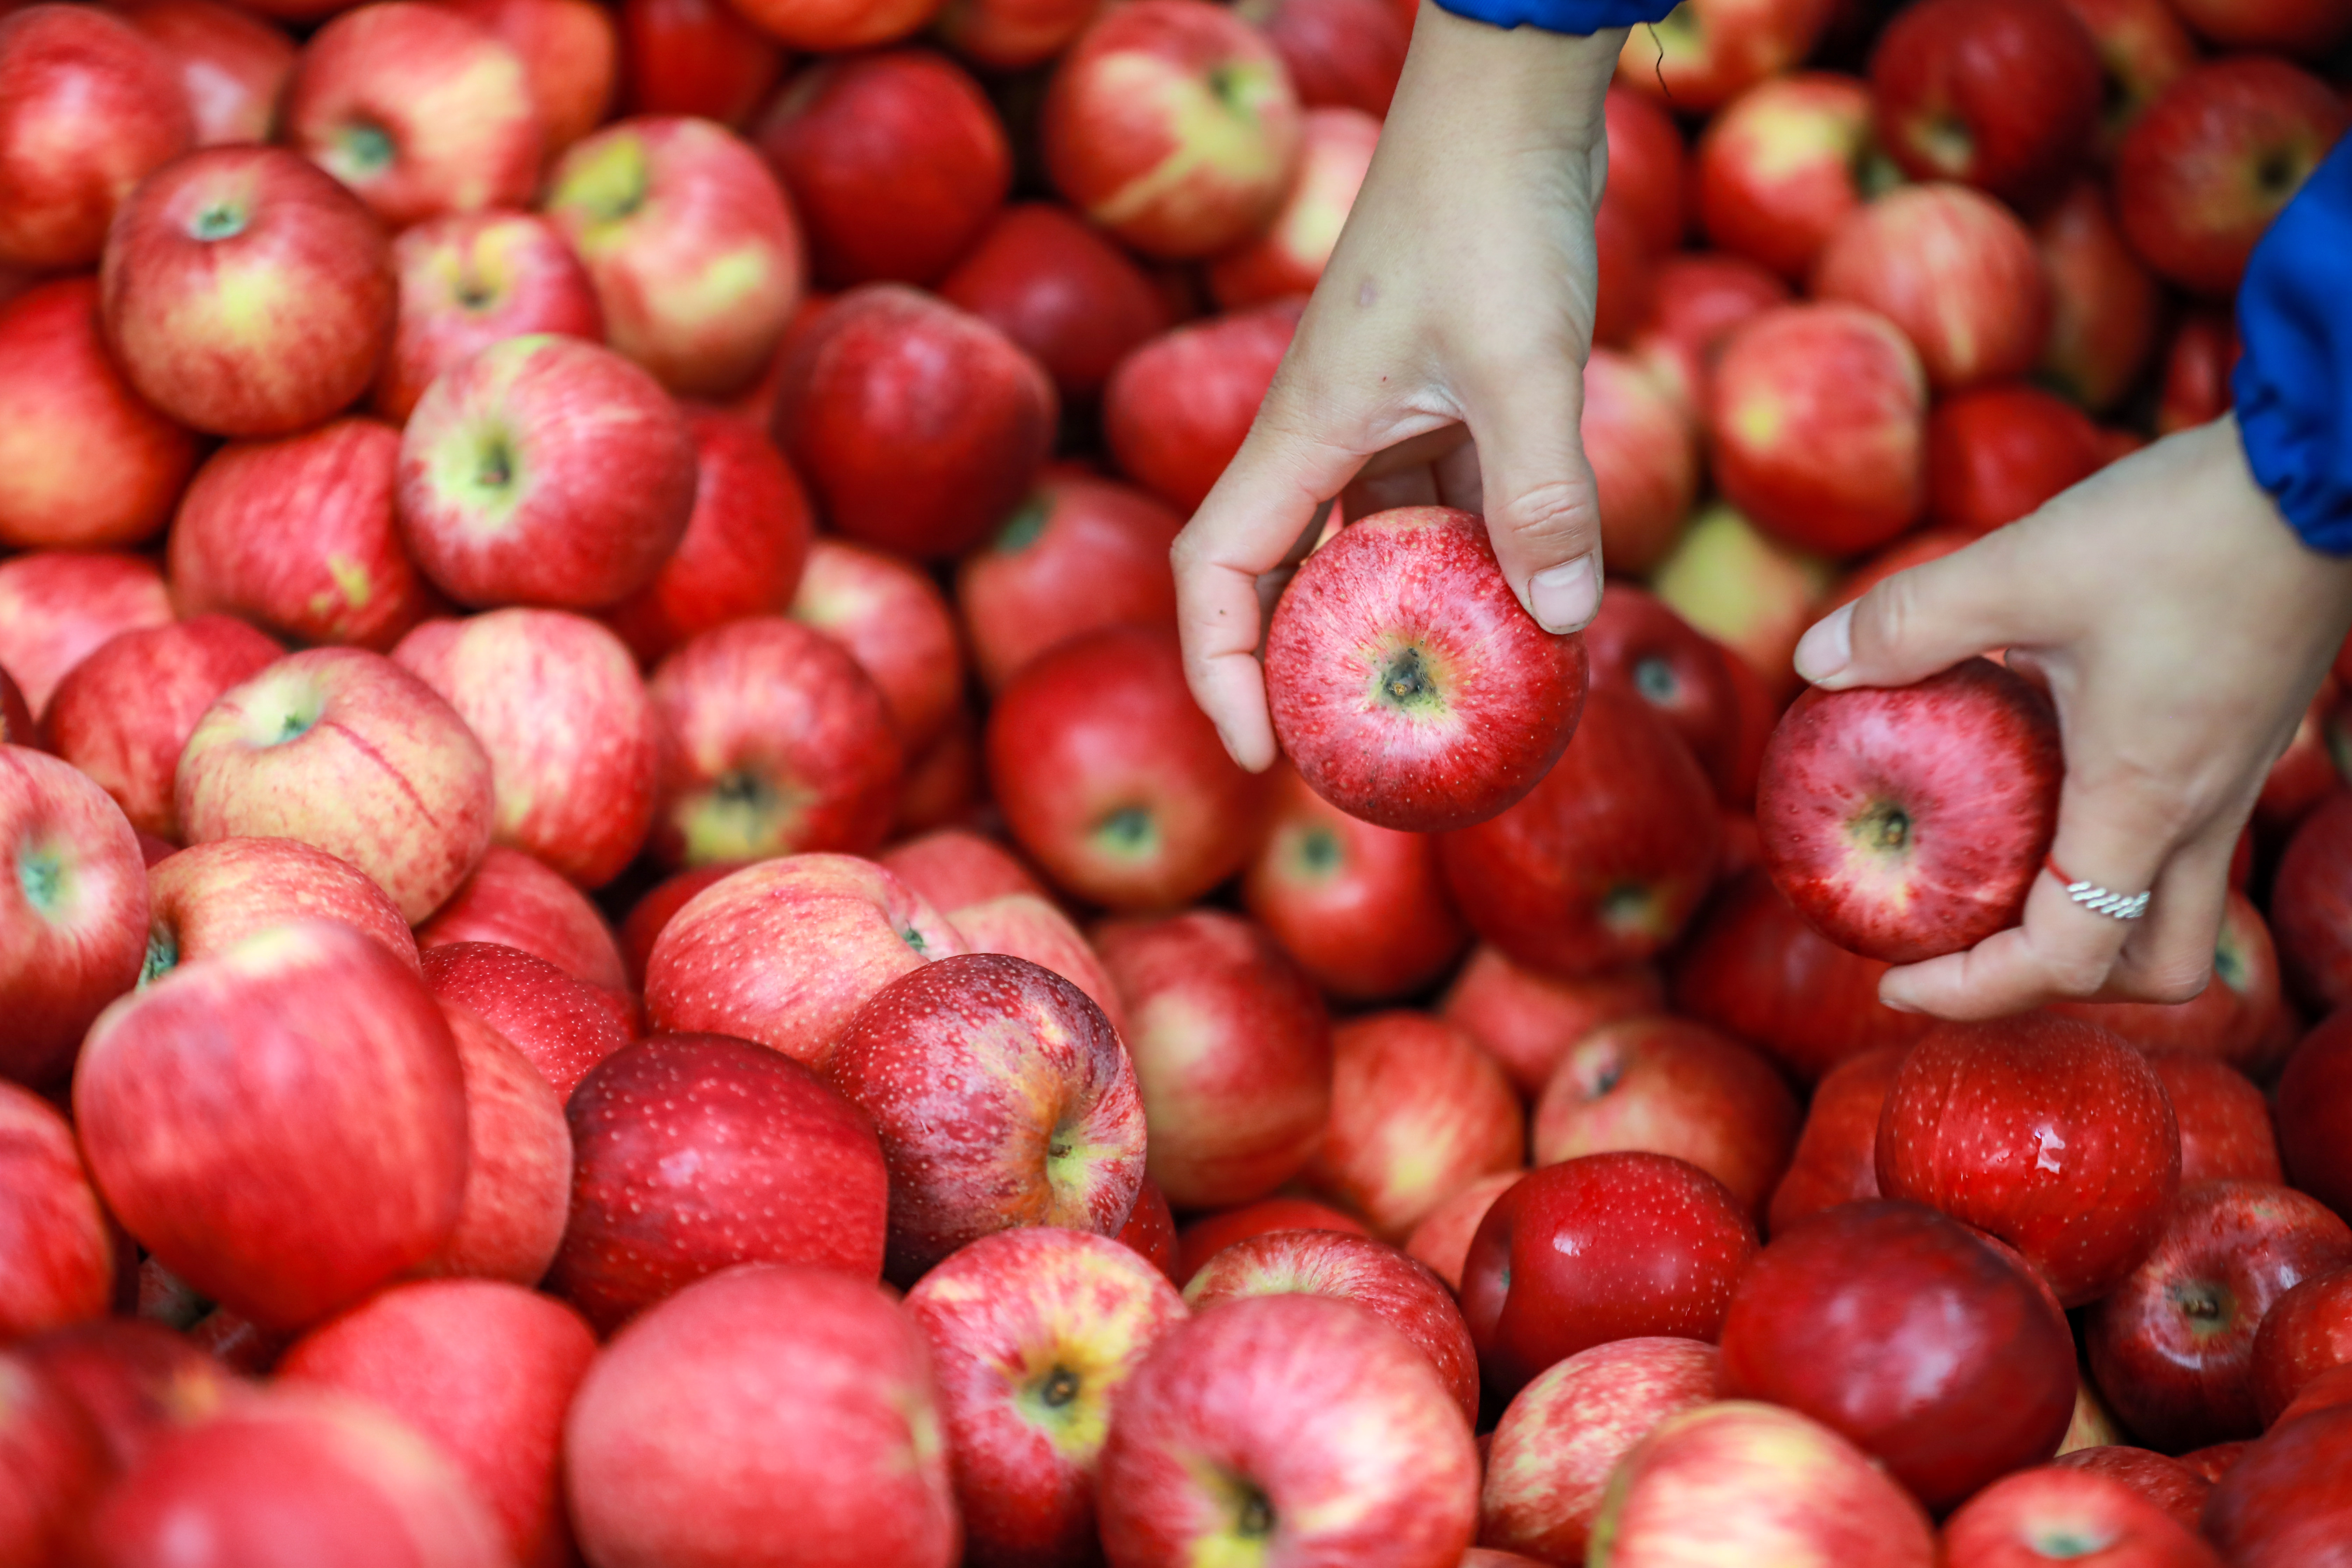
column 1471, row 84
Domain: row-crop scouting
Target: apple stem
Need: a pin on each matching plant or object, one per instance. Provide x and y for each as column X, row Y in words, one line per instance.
column 1061, row 1387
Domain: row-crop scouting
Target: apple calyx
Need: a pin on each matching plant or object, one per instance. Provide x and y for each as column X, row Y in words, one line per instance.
column 162, row 955
column 742, row 817
column 1023, row 528
column 1131, row 832
column 1411, row 680
column 366, row 148
column 2210, row 1307
column 41, row 873
column 2064, row 1542
column 218, row 220
column 610, row 187
column 1655, row 678
column 1882, row 828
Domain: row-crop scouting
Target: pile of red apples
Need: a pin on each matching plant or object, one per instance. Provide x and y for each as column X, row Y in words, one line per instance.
column 620, row 943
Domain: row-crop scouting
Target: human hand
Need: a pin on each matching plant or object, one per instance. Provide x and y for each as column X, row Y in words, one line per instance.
column 1457, row 303
column 2181, row 628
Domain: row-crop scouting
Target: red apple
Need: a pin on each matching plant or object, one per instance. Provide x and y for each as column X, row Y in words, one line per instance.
column 1150, row 1230
column 1418, row 1112
column 297, row 535
column 123, row 715
column 518, row 902
column 1009, row 35
column 650, row 915
column 233, row 65
column 246, row 293
column 2312, row 1109
column 1335, row 150
column 87, row 107
column 2051, row 1134
column 1172, row 124
column 1782, row 166
column 1294, row 1417
column 561, row 1026
column 1231, row 1051
column 2304, row 774
column 1956, row 270
column 2003, row 94
column 1707, row 52
column 1204, row 1238
column 2307, row 1333
column 2052, row 1512
column 1899, row 1328
column 545, row 470
column 345, row 751
column 2234, row 1018
column 1033, row 1334
column 1644, row 454
column 1112, row 780
column 1836, row 1160
column 955, row 867
column 1059, row 288
column 1648, row 168
column 694, row 57
column 1751, row 592
column 466, row 280
column 73, row 910
column 2283, row 1504
column 2225, row 1124
column 1911, row 822
column 2167, row 1483
column 1405, row 681
column 136, row 1380
column 832, row 26
column 2103, row 303
column 1638, row 645
column 2311, row 903
column 766, row 1416
column 1606, row 1247
column 84, row 463
column 519, row 1169
column 54, row 1465
column 2308, row 28
column 57, row 1255
column 1079, row 554
column 895, row 622
column 1527, row 1020
column 2198, row 364
column 918, row 426
column 1023, row 925
column 568, row 49
column 895, row 163
column 697, row 1152
column 288, row 1166
column 2143, row 49
column 941, row 786
column 207, row 900
column 2207, row 168
column 1997, row 453
column 1402, row 1293
column 1603, row 864
column 1796, row 376
column 1176, row 409
column 1699, row 297
column 1671, row 1086
column 785, row 953
column 59, row 606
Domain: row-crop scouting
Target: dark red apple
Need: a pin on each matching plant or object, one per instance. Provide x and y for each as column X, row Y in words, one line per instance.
column 1061, row 289
column 2314, row 1113
column 694, row 57
column 1176, row 409
column 2143, row 49
column 2003, row 94
column 1637, row 643
column 1996, row 453
column 1079, row 554
column 1012, row 35
column 2198, row 363
column 560, row 1024
column 1342, row 54
column 2307, row 27
column 2225, row 1124
column 2105, row 304
column 2284, row 1503
column 2307, row 1331
column 1836, row 1156
column 467, row 280
column 1150, row 1230
column 2235, row 1018
column 2311, row 905
column 89, row 106
column 2063, row 1513
column 1781, row 167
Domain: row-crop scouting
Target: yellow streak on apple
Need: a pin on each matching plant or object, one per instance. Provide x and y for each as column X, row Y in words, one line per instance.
column 1209, row 136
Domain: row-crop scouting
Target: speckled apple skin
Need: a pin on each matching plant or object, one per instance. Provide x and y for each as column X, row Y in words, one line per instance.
column 1971, row 757
column 559, row 1024
column 517, row 901
column 1335, row 1417
column 519, row 1169
column 2049, row 1133
column 210, row 897
column 1426, row 578
column 1002, row 1316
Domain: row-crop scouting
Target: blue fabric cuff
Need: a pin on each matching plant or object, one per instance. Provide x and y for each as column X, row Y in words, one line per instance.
column 2294, row 385
column 1561, row 16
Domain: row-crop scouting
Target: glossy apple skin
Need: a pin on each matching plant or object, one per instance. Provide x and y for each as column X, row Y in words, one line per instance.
column 1755, row 1483
column 1782, row 166
column 519, row 902
column 2207, row 168
column 466, row 280
column 1203, row 1239
column 1406, row 683
column 1310, row 1409
column 1173, row 126
column 1643, row 449
column 558, row 1025
column 1418, row 1112
column 58, row 607
column 953, row 867
column 895, row 161
column 916, row 425
column 1560, row 1439
column 1231, row 1051
column 2143, row 49
column 87, row 108
column 1699, row 297
column 205, row 899
column 1605, row 860
column 1671, row 1086
column 267, row 329
column 2171, row 1346
column 1335, row 150
column 697, row 1152
column 558, row 705
column 2172, row 1486
column 2225, row 1123
column 2311, row 905
column 694, row 57
column 2051, row 1511
column 2233, row 1019
column 1176, row 409
column 1900, row 1330
column 2307, row 1331
column 1024, row 925
column 1033, row 1333
column 768, row 1417
column 1059, row 288
column 1606, row 1247
column 1112, row 780
column 1393, row 1288
column 1911, row 822
column 84, row 463
column 1836, row 1160
column 695, row 252
column 2285, row 1504
column 1150, row 1230
column 1795, row 376
column 1996, row 453
column 545, row 470
column 1527, row 1020
column 896, row 623
column 1637, row 643
column 568, row 50
column 346, row 752
column 2049, row 1133
column 297, row 535
column 287, row 1169
column 519, row 1164
column 73, row 910
column 1079, row 554
column 785, row 953
column 2312, row 1112
column 123, row 715
column 2003, row 94
column 57, row 1255
column 2104, row 301
column 1956, row 270
column 484, row 1370
column 1707, row 52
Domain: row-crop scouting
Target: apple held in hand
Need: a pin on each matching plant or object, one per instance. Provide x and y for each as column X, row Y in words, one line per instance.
column 87, row 108
column 466, row 280
column 1911, row 822
column 1405, row 681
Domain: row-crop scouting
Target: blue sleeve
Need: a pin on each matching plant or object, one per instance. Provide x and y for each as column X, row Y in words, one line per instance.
column 1561, row 16
column 2293, row 385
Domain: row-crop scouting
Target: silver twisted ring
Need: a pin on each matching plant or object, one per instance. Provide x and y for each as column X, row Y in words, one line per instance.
column 2100, row 901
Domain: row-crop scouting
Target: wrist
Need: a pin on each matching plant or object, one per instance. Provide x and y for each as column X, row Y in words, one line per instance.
column 1468, row 81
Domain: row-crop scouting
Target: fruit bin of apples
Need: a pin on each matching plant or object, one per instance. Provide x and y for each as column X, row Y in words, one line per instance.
column 620, row 942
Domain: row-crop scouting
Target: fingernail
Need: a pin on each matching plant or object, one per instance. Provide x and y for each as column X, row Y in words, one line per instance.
column 1825, row 650
column 1565, row 598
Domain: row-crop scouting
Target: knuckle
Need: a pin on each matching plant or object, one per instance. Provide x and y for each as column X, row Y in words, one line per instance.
column 1558, row 511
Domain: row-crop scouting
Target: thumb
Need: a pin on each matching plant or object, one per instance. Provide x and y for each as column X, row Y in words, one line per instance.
column 1918, row 621
column 1543, row 514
